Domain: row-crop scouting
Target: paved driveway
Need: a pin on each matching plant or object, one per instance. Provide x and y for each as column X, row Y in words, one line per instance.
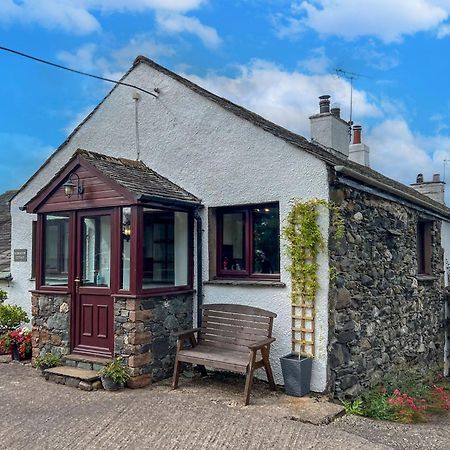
column 35, row 414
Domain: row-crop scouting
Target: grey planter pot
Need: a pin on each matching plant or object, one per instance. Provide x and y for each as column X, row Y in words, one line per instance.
column 296, row 374
column 109, row 385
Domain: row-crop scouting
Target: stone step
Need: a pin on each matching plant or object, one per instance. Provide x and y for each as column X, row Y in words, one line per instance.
column 87, row 380
column 86, row 362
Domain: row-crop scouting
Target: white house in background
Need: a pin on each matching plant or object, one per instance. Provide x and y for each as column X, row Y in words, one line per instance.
column 218, row 179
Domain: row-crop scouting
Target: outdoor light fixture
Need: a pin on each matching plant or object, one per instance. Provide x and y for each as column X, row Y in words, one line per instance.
column 126, row 230
column 70, row 187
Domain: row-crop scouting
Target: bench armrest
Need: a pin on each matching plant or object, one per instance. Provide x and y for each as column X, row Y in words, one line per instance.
column 186, row 333
column 260, row 344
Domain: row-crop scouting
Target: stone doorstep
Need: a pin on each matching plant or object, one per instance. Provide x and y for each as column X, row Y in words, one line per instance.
column 87, row 380
column 88, row 359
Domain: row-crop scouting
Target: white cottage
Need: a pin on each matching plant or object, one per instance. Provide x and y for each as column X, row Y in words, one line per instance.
column 160, row 201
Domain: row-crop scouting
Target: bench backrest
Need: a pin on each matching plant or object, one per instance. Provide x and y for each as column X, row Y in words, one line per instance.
column 234, row 327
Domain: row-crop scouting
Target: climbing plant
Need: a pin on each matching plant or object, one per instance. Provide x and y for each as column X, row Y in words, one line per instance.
column 304, row 243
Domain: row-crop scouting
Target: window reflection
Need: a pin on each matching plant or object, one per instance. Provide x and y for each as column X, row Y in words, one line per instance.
column 56, row 254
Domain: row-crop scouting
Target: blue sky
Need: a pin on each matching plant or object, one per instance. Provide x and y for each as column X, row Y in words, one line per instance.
column 274, row 57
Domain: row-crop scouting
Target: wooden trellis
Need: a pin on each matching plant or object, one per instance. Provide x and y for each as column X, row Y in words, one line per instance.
column 303, row 327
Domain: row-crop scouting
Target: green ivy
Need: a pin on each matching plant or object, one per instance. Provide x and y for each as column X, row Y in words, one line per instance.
column 304, row 243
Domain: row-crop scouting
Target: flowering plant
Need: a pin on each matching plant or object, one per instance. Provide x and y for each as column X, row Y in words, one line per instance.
column 21, row 338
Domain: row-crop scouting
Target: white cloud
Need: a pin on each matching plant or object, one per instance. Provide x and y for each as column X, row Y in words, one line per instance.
column 92, row 57
column 76, row 16
column 179, row 23
column 387, row 20
column 287, row 98
column 318, row 62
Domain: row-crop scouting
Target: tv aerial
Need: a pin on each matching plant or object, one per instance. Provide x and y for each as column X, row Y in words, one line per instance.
column 351, row 76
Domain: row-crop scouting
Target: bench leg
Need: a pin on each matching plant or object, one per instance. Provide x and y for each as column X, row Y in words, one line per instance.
column 176, row 373
column 249, row 380
column 268, row 368
column 202, row 369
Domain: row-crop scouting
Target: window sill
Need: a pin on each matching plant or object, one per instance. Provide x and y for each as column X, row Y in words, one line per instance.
column 424, row 278
column 251, row 283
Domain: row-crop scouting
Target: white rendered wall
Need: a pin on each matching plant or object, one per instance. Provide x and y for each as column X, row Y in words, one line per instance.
column 445, row 238
column 222, row 159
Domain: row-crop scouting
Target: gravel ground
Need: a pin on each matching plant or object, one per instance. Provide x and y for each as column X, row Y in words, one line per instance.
column 202, row 414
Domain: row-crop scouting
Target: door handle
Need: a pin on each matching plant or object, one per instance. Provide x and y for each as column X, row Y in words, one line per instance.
column 77, row 285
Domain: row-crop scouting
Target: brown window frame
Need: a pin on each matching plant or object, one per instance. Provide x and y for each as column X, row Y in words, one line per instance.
column 34, row 261
column 424, row 247
column 248, row 273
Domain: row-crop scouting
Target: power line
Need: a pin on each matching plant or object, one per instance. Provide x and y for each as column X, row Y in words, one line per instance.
column 59, row 66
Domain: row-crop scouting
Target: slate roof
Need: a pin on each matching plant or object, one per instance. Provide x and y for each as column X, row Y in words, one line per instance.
column 327, row 155
column 137, row 178
column 5, row 232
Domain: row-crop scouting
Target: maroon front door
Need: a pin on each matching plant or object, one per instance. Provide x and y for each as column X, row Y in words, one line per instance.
column 93, row 319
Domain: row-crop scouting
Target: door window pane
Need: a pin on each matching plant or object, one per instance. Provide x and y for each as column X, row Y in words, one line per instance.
column 126, row 235
column 166, row 249
column 233, row 241
column 266, row 240
column 56, row 253
column 96, row 251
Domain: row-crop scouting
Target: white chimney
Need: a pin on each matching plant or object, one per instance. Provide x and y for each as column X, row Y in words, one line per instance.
column 327, row 127
column 434, row 189
column 358, row 151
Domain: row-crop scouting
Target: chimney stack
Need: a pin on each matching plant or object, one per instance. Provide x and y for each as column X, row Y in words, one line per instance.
column 434, row 189
column 357, row 151
column 324, row 104
column 328, row 128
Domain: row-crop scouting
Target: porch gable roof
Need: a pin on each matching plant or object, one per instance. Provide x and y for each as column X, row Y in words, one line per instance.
column 133, row 182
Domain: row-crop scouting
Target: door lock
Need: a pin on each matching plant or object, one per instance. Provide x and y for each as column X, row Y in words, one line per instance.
column 77, row 284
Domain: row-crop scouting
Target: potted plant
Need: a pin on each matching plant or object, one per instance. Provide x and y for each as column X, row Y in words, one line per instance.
column 304, row 243
column 47, row 361
column 114, row 375
column 19, row 342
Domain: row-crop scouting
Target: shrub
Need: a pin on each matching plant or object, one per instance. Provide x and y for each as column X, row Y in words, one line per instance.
column 47, row 361
column 11, row 316
column 116, row 371
column 377, row 406
column 3, row 296
column 354, row 408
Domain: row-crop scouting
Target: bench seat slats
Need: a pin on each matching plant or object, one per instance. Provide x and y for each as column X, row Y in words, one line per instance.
column 237, row 317
column 226, row 330
column 205, row 354
column 240, row 309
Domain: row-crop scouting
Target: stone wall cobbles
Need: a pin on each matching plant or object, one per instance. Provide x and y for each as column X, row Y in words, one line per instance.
column 50, row 324
column 144, row 334
column 382, row 316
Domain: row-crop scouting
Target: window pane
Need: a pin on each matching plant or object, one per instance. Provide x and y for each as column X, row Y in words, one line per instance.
column 165, row 249
column 126, row 234
column 233, row 241
column 56, row 255
column 96, row 251
column 266, row 239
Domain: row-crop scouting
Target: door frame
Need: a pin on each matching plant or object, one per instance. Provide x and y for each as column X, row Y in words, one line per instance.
column 76, row 266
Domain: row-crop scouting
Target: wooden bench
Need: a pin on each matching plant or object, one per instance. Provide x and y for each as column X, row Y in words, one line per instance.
column 232, row 337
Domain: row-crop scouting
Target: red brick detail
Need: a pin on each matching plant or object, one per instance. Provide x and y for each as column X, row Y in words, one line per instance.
column 140, row 338
column 139, row 360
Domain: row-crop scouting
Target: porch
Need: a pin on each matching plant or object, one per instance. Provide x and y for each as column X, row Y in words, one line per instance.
column 114, row 272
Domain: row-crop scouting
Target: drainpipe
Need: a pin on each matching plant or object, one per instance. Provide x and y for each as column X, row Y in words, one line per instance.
column 198, row 219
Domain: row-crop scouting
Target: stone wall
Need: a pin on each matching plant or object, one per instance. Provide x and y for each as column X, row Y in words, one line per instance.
column 144, row 334
column 382, row 315
column 50, row 324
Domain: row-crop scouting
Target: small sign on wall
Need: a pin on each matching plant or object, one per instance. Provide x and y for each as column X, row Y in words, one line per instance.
column 20, row 255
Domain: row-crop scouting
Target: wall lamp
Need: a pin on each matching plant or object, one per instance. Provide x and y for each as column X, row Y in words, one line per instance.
column 70, row 187
column 126, row 230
